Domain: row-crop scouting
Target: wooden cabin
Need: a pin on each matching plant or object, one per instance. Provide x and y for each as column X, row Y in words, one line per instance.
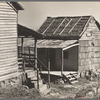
column 70, row 43
column 8, row 40
column 10, row 34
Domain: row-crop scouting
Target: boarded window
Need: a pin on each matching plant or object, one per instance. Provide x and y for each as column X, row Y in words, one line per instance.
column 66, row 54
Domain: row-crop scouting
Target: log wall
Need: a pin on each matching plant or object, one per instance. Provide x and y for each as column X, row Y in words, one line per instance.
column 89, row 48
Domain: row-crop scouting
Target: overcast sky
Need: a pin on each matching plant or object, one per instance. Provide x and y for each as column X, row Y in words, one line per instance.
column 35, row 13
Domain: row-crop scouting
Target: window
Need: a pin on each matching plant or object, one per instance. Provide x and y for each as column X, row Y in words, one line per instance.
column 66, row 55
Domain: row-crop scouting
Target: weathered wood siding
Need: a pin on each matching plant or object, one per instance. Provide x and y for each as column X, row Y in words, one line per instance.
column 8, row 42
column 89, row 48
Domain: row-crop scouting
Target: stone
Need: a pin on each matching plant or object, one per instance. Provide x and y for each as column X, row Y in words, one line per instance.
column 54, row 94
column 98, row 90
column 90, row 95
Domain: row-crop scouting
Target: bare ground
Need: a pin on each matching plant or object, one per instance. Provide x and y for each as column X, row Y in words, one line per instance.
column 82, row 89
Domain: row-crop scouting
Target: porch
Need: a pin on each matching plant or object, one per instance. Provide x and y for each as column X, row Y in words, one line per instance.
column 31, row 59
column 61, row 54
column 58, row 73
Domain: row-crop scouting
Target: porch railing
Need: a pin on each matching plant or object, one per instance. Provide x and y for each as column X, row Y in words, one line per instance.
column 39, row 69
column 42, row 65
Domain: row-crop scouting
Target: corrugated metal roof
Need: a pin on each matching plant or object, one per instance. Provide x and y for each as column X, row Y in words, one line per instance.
column 68, row 27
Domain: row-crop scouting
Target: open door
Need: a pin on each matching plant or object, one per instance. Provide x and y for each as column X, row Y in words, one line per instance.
column 52, row 59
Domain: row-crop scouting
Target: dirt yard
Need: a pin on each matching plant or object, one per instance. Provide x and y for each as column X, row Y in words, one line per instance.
column 82, row 89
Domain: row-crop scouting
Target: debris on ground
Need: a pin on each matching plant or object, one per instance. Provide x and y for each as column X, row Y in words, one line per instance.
column 82, row 89
column 18, row 92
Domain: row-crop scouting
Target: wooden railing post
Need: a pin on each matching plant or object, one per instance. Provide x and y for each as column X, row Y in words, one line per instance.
column 40, row 68
column 24, row 76
column 49, row 74
column 37, row 78
column 35, row 52
column 49, row 68
column 29, row 53
column 62, row 63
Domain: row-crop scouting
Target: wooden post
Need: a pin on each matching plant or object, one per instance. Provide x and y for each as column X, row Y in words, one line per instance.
column 35, row 53
column 29, row 53
column 49, row 67
column 37, row 78
column 23, row 66
column 23, row 55
column 22, row 47
column 62, row 61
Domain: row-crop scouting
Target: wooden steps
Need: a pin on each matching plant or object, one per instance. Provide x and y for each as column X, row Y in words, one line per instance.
column 43, row 88
column 71, row 78
column 31, row 76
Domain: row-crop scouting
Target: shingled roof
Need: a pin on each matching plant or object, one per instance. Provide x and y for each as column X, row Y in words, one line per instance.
column 64, row 27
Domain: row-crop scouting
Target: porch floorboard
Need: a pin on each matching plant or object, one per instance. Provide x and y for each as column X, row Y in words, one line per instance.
column 58, row 73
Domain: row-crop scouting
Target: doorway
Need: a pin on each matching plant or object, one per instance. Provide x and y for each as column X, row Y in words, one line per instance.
column 52, row 59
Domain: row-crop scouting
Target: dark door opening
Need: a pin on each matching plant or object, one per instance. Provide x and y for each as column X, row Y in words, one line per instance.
column 52, row 60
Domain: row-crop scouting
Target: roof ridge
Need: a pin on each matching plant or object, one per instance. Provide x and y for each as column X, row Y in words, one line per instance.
column 70, row 16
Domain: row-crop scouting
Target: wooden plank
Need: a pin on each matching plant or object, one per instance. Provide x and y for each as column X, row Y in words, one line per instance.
column 9, row 42
column 2, row 35
column 8, row 71
column 9, row 67
column 12, row 64
column 7, row 13
column 2, row 3
column 7, row 22
column 8, row 18
column 13, row 53
column 8, row 26
column 8, row 54
column 8, row 46
column 5, row 48
column 8, row 29
column 5, row 41
column 6, row 9
column 8, row 32
column 62, row 60
column 75, row 25
column 12, row 75
column 8, row 37
column 9, row 50
column 7, row 57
